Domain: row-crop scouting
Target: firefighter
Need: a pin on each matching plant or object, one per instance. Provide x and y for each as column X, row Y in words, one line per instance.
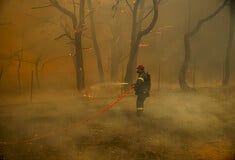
column 142, row 87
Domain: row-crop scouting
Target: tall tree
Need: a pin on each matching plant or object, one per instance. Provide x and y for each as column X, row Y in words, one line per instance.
column 78, row 26
column 187, row 46
column 116, row 29
column 118, row 39
column 95, row 43
column 137, row 34
column 17, row 56
column 227, row 67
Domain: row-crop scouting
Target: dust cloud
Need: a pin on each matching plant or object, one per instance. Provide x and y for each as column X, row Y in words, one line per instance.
column 43, row 116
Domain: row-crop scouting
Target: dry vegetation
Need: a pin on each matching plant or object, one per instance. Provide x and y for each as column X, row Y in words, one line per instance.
column 177, row 125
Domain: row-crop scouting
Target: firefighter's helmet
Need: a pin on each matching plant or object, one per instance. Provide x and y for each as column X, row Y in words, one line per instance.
column 140, row 67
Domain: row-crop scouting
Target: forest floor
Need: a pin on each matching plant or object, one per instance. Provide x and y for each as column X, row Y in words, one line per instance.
column 176, row 125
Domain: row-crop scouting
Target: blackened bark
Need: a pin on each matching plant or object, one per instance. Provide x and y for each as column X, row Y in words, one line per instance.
column 183, row 70
column 133, row 48
column 77, row 39
column 136, row 38
column 79, row 61
column 78, row 47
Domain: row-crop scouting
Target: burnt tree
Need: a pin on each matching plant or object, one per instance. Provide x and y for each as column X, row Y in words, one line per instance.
column 95, row 43
column 137, row 34
column 118, row 43
column 78, row 26
column 187, row 46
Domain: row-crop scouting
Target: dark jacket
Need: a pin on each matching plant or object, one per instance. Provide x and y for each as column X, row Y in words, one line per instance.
column 141, row 88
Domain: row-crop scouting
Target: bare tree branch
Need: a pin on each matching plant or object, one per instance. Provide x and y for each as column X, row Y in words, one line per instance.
column 56, row 4
column 64, row 35
column 145, row 16
column 114, row 7
column 50, row 5
column 128, row 4
column 154, row 19
column 203, row 20
column 74, row 7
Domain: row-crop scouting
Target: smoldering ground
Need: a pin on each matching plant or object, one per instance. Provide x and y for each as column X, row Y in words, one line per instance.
column 176, row 125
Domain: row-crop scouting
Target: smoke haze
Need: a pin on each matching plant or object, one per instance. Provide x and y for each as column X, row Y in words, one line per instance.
column 38, row 94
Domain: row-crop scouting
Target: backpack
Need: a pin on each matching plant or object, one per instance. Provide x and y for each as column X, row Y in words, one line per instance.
column 148, row 81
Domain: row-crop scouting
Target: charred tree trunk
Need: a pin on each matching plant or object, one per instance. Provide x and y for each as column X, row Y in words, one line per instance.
column 79, row 61
column 229, row 47
column 95, row 43
column 79, row 67
column 183, row 70
column 136, row 38
column 116, row 43
column 184, row 67
column 78, row 48
column 133, row 48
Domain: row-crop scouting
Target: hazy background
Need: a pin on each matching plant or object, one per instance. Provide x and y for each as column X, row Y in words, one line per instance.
column 32, row 32
column 177, row 125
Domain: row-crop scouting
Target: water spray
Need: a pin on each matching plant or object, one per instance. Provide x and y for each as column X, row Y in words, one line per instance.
column 108, row 84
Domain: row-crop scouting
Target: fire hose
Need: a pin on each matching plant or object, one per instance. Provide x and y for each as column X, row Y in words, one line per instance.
column 74, row 125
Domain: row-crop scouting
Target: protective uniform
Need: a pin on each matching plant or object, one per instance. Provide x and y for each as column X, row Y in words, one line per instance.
column 141, row 89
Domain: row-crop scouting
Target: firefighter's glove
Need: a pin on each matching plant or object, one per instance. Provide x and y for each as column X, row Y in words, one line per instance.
column 132, row 85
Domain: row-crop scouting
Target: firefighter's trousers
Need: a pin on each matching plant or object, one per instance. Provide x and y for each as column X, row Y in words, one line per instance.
column 140, row 103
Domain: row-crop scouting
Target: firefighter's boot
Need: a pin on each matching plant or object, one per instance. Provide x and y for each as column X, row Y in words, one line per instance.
column 139, row 111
